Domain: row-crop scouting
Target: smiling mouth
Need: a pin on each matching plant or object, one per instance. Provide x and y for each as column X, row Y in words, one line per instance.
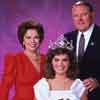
column 81, row 23
column 33, row 45
column 61, row 68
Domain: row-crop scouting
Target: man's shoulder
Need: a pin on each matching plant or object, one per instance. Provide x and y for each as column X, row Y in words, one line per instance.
column 70, row 34
column 97, row 28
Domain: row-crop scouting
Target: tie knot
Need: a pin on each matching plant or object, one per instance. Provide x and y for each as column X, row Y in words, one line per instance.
column 82, row 38
column 82, row 35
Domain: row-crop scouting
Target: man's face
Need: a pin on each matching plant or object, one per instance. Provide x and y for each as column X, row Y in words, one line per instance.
column 82, row 17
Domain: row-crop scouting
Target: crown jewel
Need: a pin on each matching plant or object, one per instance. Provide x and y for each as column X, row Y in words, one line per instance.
column 61, row 42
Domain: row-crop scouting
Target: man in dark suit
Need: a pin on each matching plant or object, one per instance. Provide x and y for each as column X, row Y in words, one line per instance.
column 89, row 63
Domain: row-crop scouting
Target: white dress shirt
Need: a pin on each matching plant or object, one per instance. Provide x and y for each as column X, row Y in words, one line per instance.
column 87, row 35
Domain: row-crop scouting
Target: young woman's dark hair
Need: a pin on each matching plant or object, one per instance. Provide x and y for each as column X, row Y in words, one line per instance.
column 73, row 68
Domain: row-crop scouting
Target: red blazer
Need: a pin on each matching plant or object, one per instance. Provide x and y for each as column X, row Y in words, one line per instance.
column 20, row 71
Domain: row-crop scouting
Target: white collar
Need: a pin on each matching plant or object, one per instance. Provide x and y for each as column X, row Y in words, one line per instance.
column 88, row 32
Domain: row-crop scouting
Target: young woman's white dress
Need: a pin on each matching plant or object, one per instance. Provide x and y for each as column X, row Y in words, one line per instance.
column 42, row 91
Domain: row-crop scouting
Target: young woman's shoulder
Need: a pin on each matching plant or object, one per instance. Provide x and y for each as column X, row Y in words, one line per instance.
column 41, row 82
column 78, row 87
column 39, row 87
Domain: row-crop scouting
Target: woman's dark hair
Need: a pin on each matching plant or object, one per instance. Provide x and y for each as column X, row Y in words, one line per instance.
column 73, row 70
column 30, row 24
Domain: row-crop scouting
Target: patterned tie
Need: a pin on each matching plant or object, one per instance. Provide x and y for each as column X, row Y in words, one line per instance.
column 81, row 47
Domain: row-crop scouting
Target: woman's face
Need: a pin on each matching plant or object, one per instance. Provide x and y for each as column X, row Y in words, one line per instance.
column 60, row 64
column 31, row 40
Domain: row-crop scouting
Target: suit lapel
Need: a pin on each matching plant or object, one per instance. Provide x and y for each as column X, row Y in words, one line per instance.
column 91, row 42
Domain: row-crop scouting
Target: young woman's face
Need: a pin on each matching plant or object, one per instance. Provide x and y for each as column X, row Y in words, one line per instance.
column 31, row 40
column 60, row 63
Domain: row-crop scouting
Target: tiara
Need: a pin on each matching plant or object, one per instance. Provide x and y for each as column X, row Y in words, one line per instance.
column 61, row 42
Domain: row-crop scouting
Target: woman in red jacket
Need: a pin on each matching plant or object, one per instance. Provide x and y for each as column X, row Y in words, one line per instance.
column 25, row 68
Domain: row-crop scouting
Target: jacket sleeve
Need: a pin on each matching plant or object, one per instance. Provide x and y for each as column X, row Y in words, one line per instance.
column 8, row 76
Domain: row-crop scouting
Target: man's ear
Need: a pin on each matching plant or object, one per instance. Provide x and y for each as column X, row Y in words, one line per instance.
column 93, row 14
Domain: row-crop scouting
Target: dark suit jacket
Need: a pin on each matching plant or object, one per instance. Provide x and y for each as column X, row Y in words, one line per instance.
column 90, row 64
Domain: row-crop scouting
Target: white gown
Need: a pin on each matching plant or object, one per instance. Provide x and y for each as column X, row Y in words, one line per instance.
column 42, row 92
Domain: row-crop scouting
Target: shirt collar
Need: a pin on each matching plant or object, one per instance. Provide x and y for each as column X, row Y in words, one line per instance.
column 89, row 31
